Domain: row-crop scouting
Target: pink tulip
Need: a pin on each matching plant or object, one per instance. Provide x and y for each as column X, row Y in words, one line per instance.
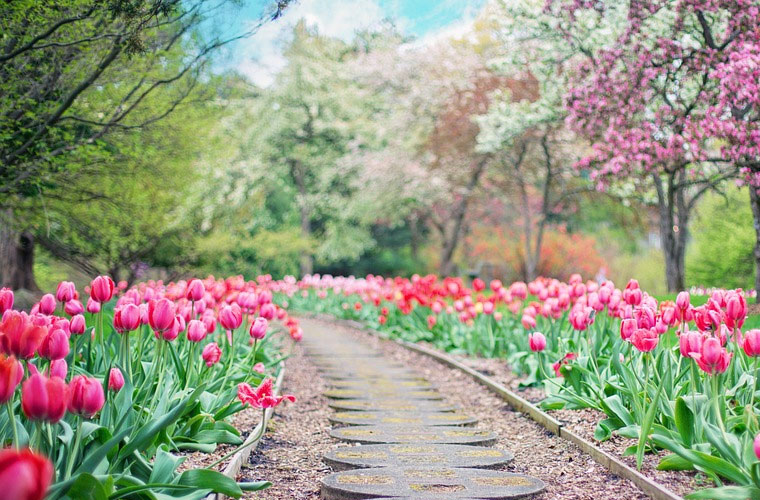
column 259, row 368
column 644, row 339
column 115, row 380
column 196, row 330
column 528, row 322
column 102, row 288
column 690, row 343
column 751, row 344
column 757, row 446
column 24, row 474
column 161, row 314
column 736, row 310
column 211, row 354
column 267, row 311
column 431, row 321
column 43, row 398
column 262, row 396
column 85, row 396
column 55, row 345
column 93, row 306
column 47, row 304
column 488, row 307
column 126, row 318
column 683, row 301
column 231, row 317
column 73, row 307
column 58, row 368
column 65, row 291
column 77, row 325
column 627, row 327
column 258, row 328
column 537, row 341
column 6, row 300
column 713, row 358
column 195, row 290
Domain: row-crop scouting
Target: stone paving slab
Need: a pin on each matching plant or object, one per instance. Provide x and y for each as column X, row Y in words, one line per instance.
column 400, row 418
column 415, row 434
column 375, row 393
column 396, row 404
column 382, row 383
column 439, row 455
column 428, row 483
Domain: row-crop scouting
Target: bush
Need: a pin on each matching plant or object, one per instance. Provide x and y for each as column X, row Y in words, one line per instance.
column 720, row 253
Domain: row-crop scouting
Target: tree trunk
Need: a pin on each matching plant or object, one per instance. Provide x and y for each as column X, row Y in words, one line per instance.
column 16, row 258
column 414, row 230
column 307, row 260
column 673, row 230
column 451, row 240
column 754, row 201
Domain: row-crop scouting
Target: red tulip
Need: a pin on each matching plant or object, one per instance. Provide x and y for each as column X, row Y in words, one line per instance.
column 47, row 304
column 431, row 321
column 11, row 372
column 85, row 396
column 77, row 325
column 258, row 328
column 712, row 358
column 195, row 290
column 66, row 291
column 6, row 299
column 55, row 345
column 161, row 314
column 537, row 341
column 24, row 475
column 478, row 285
column 211, row 354
column 115, row 380
column 43, row 398
column 263, row 396
column 101, row 289
column 644, row 339
column 751, row 343
column 19, row 336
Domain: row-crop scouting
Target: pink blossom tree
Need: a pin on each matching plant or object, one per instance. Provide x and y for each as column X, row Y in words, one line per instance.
column 654, row 102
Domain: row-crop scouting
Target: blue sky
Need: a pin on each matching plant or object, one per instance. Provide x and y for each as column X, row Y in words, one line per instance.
column 260, row 56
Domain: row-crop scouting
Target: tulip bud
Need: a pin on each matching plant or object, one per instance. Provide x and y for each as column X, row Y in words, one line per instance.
column 6, row 300
column 757, row 446
column 268, row 311
column 683, row 301
column 85, row 396
column 231, row 317
column 77, row 325
column 24, row 475
column 115, row 380
column 58, row 368
column 19, row 335
column 102, row 288
column 196, row 331
column 43, row 398
column 11, row 372
column 161, row 314
column 55, row 345
column 537, row 341
column 126, row 318
column 211, row 354
column 627, row 327
column 65, row 292
column 47, row 304
column 751, row 343
column 93, row 306
column 195, row 290
column 259, row 368
column 258, row 328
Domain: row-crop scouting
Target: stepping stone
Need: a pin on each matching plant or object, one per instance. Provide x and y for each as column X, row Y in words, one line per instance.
column 438, row 455
column 382, row 383
column 400, row 418
column 374, row 393
column 414, row 434
column 428, row 483
column 395, row 404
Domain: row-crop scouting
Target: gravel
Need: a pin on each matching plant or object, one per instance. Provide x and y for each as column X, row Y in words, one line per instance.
column 291, row 453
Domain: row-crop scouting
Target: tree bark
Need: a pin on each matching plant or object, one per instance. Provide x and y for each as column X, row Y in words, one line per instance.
column 16, row 258
column 451, row 238
column 673, row 213
column 754, row 201
column 306, row 259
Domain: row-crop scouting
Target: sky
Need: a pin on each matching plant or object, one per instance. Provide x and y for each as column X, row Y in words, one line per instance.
column 260, row 57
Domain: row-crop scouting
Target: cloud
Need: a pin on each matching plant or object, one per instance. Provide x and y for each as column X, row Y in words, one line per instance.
column 261, row 55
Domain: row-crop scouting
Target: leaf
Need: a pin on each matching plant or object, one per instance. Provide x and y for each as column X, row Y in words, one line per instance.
column 211, row 479
column 703, row 460
column 254, row 485
column 684, row 419
column 95, row 457
column 164, row 465
column 674, row 462
column 613, row 407
column 646, row 426
column 86, row 487
column 726, row 493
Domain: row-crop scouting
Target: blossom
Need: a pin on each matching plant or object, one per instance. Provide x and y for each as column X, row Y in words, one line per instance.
column 262, row 396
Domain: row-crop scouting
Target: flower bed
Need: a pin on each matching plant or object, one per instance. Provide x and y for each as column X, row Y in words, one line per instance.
column 667, row 375
column 103, row 399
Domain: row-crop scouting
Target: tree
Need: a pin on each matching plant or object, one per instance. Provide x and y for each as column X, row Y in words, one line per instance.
column 72, row 73
column 643, row 100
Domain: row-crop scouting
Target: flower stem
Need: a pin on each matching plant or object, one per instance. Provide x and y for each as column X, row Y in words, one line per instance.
column 12, row 418
column 74, row 450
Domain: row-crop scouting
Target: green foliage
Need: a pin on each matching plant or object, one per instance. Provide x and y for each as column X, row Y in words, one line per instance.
column 721, row 253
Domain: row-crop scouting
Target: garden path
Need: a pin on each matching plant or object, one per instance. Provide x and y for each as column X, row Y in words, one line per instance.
column 406, row 440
